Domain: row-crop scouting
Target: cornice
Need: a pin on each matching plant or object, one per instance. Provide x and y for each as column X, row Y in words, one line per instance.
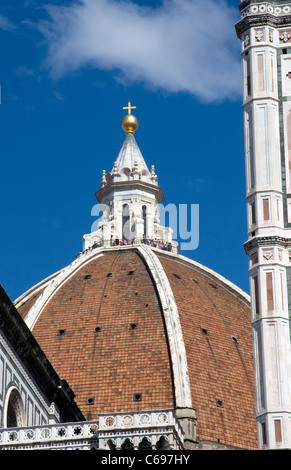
column 130, row 185
column 265, row 19
column 260, row 13
column 266, row 241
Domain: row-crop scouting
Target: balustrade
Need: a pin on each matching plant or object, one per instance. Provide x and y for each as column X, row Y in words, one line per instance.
column 138, row 430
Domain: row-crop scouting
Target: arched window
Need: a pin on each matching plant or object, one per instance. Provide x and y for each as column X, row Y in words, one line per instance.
column 125, row 222
column 163, row 443
column 145, row 444
column 289, row 149
column 125, row 173
column 111, row 444
column 144, row 216
column 14, row 415
column 127, row 445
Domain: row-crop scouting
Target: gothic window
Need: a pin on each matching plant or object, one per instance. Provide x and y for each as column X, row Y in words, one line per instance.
column 272, row 75
column 15, row 410
column 144, row 217
column 282, row 290
column 253, row 214
column 278, row 431
column 145, row 444
column 249, row 151
column 163, row 443
column 278, row 209
column 256, row 295
column 264, row 434
column 127, row 445
column 269, row 288
column 247, row 75
column 125, row 222
column 289, row 146
column 111, row 444
column 261, row 73
column 266, row 209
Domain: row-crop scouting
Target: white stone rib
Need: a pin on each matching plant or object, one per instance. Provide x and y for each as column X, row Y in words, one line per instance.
column 173, row 326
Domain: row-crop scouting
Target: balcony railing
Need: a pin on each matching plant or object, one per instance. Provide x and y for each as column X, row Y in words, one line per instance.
column 81, row 435
column 157, row 429
column 154, row 243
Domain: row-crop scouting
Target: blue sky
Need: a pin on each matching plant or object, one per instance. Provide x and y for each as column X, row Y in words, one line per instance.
column 66, row 71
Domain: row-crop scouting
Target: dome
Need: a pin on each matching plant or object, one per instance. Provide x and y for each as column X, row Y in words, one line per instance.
column 135, row 328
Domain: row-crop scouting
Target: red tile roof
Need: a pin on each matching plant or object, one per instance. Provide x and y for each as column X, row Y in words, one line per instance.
column 114, row 350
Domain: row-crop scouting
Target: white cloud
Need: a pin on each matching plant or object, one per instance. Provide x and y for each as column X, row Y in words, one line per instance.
column 183, row 46
column 5, row 23
column 23, row 71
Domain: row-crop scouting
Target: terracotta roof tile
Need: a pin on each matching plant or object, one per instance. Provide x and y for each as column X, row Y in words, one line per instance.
column 115, row 363
column 216, row 327
column 109, row 366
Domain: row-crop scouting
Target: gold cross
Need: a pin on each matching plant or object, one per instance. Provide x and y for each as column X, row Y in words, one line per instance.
column 129, row 107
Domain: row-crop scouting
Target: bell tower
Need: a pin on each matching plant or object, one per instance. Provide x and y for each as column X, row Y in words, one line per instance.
column 129, row 198
column 265, row 34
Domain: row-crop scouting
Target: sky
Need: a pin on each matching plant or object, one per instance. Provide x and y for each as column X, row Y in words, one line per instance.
column 67, row 69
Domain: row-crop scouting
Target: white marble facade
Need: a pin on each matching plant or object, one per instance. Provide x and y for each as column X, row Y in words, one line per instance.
column 22, row 403
column 266, row 64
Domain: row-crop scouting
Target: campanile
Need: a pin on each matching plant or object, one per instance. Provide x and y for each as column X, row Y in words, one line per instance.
column 265, row 34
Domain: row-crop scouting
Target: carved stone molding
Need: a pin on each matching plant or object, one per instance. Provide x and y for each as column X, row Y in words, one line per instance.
column 266, row 241
column 261, row 20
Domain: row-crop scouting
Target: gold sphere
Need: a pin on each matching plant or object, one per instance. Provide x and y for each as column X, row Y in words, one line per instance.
column 129, row 124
